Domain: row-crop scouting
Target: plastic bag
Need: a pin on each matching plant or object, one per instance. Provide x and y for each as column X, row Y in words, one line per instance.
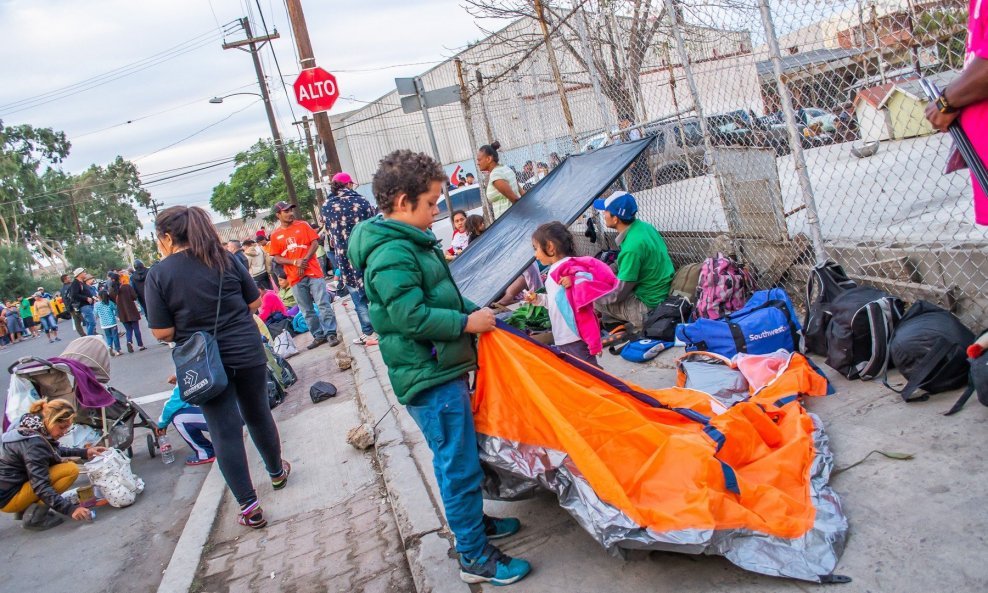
column 20, row 395
column 284, row 345
column 110, row 471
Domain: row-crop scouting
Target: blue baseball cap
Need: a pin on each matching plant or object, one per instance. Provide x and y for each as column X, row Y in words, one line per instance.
column 620, row 204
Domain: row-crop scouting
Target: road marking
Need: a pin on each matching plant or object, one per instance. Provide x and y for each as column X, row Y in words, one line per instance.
column 154, row 397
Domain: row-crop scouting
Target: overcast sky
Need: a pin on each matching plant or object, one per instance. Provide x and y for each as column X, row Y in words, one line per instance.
column 49, row 44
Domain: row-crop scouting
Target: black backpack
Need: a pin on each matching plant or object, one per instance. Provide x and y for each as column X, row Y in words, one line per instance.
column 930, row 350
column 830, row 280
column 861, row 325
column 661, row 323
column 977, row 383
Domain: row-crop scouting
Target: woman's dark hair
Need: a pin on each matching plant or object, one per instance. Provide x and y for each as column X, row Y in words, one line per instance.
column 475, row 226
column 191, row 228
column 404, row 172
column 455, row 212
column 337, row 186
column 491, row 150
column 104, row 296
column 556, row 233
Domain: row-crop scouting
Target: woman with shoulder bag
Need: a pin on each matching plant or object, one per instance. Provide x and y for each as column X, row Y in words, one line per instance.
column 197, row 289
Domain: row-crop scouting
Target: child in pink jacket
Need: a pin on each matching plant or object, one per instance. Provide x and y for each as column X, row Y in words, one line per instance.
column 573, row 284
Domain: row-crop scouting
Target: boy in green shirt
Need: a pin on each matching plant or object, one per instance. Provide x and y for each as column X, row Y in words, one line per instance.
column 426, row 330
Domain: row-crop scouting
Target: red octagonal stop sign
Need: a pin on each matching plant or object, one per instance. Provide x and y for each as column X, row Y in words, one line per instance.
column 316, row 90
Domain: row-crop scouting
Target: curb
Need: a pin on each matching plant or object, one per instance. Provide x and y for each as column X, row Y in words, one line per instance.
column 181, row 571
column 414, row 502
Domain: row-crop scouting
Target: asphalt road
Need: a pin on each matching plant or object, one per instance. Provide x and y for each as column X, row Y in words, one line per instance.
column 124, row 549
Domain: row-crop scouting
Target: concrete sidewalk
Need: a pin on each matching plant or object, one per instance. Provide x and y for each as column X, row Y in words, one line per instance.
column 916, row 526
column 330, row 529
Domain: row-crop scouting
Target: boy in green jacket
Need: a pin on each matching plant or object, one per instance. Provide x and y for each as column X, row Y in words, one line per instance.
column 427, row 331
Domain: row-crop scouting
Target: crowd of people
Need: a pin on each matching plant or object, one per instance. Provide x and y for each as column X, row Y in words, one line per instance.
column 395, row 271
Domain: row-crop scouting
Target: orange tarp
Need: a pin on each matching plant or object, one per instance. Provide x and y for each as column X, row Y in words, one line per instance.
column 656, row 465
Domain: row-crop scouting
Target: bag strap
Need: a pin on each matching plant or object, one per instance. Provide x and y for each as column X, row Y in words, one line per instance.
column 962, row 399
column 923, row 373
column 880, row 330
column 219, row 300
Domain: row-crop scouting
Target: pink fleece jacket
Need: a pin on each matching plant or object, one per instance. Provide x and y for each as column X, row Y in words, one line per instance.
column 592, row 279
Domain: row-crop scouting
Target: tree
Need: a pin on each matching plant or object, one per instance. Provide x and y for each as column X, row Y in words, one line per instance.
column 945, row 28
column 45, row 209
column 97, row 257
column 146, row 250
column 15, row 272
column 27, row 155
column 257, row 182
column 619, row 34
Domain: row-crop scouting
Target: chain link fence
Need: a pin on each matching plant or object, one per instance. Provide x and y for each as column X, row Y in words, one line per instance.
column 785, row 132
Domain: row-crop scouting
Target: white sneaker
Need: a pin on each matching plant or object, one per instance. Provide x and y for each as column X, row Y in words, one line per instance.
column 367, row 340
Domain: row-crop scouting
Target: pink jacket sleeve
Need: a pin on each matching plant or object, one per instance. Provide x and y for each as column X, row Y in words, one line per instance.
column 592, row 279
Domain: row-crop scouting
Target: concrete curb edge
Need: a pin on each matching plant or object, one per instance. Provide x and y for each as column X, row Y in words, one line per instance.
column 424, row 534
column 181, row 571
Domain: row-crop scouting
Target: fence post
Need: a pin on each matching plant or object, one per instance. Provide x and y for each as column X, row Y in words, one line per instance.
column 708, row 149
column 795, row 138
column 472, row 139
column 554, row 64
column 581, row 31
column 523, row 108
column 483, row 107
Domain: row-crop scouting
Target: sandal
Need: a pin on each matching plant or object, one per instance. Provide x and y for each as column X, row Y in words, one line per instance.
column 281, row 480
column 252, row 516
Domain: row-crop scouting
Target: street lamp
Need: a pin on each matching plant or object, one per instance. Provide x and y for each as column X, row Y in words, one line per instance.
column 276, row 135
column 218, row 100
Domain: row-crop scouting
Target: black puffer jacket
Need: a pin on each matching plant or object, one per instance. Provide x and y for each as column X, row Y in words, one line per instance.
column 25, row 458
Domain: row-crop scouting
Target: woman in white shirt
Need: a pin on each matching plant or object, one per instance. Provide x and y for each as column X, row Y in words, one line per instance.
column 501, row 181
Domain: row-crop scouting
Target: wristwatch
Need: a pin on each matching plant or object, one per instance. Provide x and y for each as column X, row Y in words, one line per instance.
column 942, row 105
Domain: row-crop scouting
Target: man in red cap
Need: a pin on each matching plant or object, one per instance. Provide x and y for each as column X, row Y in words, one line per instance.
column 293, row 245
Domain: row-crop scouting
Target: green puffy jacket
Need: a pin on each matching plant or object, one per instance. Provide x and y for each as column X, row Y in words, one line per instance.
column 415, row 307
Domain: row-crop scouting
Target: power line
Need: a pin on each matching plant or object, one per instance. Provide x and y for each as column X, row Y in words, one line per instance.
column 163, row 111
column 107, row 77
column 197, row 132
column 277, row 65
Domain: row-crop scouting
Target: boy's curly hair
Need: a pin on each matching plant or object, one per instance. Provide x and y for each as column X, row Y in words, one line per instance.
column 404, row 172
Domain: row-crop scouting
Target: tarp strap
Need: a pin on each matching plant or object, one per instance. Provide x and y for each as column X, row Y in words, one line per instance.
column 785, row 400
column 730, row 479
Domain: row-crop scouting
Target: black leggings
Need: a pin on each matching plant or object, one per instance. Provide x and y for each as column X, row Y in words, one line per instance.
column 245, row 397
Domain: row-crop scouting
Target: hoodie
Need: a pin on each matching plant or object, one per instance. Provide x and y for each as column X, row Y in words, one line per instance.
column 415, row 307
column 257, row 260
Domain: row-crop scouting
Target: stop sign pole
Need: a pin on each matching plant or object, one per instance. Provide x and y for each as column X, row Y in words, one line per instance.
column 307, row 59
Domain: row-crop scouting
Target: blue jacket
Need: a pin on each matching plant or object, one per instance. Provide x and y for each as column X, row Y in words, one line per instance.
column 106, row 313
column 173, row 406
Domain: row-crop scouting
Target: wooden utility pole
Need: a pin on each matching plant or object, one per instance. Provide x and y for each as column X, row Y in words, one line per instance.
column 253, row 48
column 312, row 157
column 308, row 60
column 472, row 138
column 554, row 64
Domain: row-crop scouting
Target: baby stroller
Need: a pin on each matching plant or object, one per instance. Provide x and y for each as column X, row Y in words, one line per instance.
column 109, row 412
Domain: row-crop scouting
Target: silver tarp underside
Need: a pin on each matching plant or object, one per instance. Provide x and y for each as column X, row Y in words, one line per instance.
column 515, row 470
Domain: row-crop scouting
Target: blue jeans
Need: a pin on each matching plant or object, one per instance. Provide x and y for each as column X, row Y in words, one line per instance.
column 312, row 291
column 112, row 338
column 133, row 329
column 360, row 305
column 445, row 417
column 88, row 319
column 191, row 424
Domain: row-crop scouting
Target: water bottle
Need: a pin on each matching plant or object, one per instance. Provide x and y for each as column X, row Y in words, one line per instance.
column 167, row 454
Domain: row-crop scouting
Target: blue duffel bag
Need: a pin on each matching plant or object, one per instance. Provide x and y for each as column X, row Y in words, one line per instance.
column 765, row 324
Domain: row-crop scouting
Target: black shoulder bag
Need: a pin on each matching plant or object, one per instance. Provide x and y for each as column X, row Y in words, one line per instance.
column 198, row 366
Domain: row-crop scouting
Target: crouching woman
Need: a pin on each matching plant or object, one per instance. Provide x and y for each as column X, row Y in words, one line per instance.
column 32, row 472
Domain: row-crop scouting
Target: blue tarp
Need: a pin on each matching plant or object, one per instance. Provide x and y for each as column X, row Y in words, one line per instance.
column 486, row 268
